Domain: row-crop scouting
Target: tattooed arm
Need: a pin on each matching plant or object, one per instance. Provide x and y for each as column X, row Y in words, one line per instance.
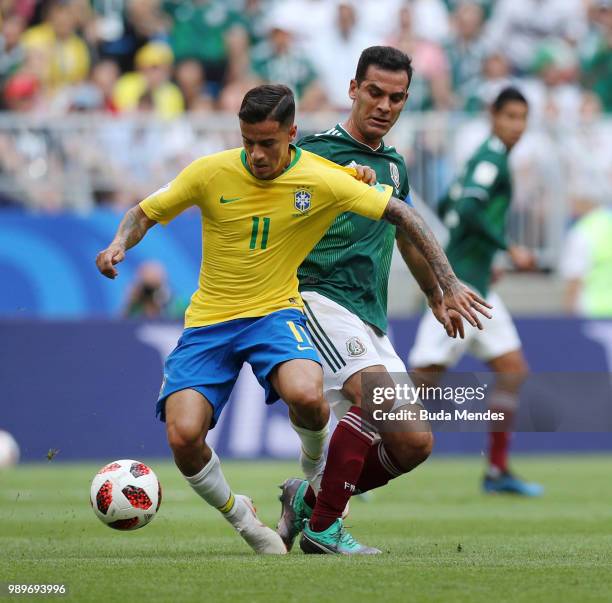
column 456, row 296
column 132, row 229
column 426, row 279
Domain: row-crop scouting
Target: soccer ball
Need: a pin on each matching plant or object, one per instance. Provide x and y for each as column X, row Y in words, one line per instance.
column 9, row 450
column 125, row 495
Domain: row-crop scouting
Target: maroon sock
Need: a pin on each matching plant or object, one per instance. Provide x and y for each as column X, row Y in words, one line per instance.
column 348, row 448
column 310, row 498
column 499, row 443
column 379, row 468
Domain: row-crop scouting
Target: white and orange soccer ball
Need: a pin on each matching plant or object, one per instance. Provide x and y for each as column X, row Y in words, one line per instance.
column 125, row 494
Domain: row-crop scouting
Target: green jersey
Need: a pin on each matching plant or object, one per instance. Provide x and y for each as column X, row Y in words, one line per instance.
column 475, row 211
column 351, row 263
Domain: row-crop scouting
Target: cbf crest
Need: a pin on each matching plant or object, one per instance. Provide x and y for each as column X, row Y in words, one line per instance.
column 302, row 200
column 395, row 175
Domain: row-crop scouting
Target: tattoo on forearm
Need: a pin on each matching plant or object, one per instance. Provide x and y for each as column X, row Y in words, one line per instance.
column 417, row 264
column 409, row 220
column 132, row 228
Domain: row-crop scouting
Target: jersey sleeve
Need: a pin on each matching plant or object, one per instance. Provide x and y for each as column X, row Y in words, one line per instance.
column 479, row 183
column 355, row 196
column 175, row 197
column 480, row 179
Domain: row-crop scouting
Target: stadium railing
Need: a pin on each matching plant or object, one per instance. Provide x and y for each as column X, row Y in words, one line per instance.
column 79, row 161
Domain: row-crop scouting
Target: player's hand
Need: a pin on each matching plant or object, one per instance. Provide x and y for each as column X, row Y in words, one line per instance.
column 522, row 257
column 456, row 324
column 365, row 174
column 107, row 259
column 449, row 319
column 467, row 303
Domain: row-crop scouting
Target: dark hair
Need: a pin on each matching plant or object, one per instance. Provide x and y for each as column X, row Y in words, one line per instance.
column 385, row 57
column 508, row 95
column 270, row 101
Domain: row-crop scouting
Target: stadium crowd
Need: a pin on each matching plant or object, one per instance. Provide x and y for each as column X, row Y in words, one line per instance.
column 103, row 101
column 171, row 56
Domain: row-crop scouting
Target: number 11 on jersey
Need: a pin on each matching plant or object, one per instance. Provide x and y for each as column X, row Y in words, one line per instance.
column 255, row 233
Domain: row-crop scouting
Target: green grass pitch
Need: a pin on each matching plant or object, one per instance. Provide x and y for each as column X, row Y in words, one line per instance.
column 442, row 540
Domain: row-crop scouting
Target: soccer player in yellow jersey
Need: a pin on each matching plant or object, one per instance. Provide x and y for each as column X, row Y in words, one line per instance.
column 263, row 208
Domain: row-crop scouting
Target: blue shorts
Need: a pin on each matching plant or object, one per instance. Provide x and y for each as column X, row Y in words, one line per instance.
column 208, row 359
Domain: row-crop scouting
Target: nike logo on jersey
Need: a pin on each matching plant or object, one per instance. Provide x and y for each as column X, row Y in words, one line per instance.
column 302, row 348
column 224, row 200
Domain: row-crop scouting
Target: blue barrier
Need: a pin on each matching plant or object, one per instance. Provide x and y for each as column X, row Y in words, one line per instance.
column 50, row 262
column 88, row 388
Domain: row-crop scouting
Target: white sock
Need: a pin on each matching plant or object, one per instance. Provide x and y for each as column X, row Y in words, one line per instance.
column 211, row 485
column 312, row 454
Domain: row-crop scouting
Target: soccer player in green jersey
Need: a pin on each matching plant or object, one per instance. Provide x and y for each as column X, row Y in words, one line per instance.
column 344, row 282
column 475, row 211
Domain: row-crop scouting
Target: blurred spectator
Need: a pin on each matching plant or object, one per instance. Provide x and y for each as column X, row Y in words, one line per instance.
column 486, row 5
column 255, row 17
column 586, row 264
column 587, row 152
column 144, row 152
column 520, row 26
column 150, row 296
column 308, row 20
column 92, row 95
column 104, row 76
column 120, row 27
column 495, row 77
column 30, row 159
column 554, row 94
column 22, row 94
column 430, row 19
column 344, row 42
column 59, row 52
column 279, row 60
column 597, row 54
column 154, row 63
column 23, row 8
column 209, row 31
column 465, row 49
column 12, row 53
column 373, row 16
column 231, row 96
column 431, row 86
column 191, row 80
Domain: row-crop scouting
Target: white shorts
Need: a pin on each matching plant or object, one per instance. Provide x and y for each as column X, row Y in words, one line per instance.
column 434, row 346
column 346, row 345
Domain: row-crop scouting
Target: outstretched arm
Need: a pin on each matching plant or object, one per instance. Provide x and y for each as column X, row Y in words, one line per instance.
column 132, row 229
column 425, row 277
column 456, row 296
column 416, row 263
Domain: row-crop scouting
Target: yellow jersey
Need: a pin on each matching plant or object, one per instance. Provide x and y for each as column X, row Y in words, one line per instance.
column 255, row 233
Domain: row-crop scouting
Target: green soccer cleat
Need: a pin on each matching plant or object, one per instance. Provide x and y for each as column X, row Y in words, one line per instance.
column 333, row 541
column 294, row 510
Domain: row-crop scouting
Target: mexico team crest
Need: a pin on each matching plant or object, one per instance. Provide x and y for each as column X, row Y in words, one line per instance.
column 355, row 347
column 395, row 175
column 302, row 200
